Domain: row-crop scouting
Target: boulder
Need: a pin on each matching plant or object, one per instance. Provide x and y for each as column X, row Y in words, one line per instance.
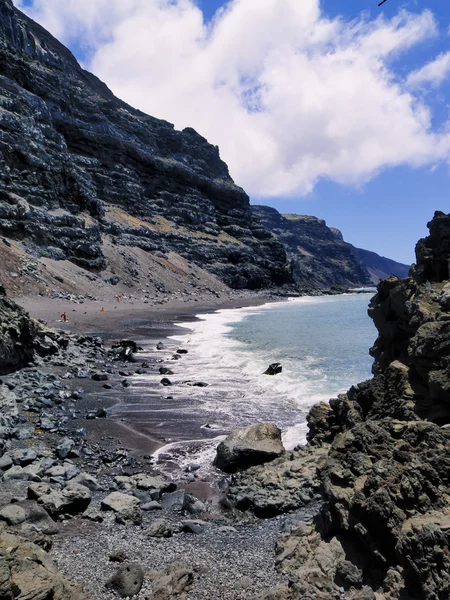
column 166, row 382
column 171, row 582
column 165, row 371
column 28, row 573
column 127, row 580
column 253, row 445
column 175, row 500
column 124, row 506
column 159, row 528
column 16, row 472
column 64, row 448
column 73, row 499
column 13, row 514
column 273, row 369
column 23, row 457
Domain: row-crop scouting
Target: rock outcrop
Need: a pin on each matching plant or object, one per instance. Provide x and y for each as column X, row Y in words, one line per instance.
column 319, row 256
column 85, row 177
column 22, row 338
column 383, row 532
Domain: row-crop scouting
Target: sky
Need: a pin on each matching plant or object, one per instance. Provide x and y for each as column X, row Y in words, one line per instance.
column 335, row 108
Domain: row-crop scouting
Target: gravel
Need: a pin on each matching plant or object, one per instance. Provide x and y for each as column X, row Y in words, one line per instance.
column 229, row 563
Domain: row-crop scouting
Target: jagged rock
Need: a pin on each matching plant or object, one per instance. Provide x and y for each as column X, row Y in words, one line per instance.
column 250, row 446
column 385, row 475
column 195, row 526
column 92, row 514
column 281, row 486
column 23, row 457
column 16, row 472
column 171, row 582
column 127, row 580
column 22, row 339
column 26, row 572
column 6, row 462
column 87, row 481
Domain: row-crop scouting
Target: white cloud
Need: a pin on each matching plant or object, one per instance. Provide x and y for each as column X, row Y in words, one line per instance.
column 433, row 73
column 289, row 95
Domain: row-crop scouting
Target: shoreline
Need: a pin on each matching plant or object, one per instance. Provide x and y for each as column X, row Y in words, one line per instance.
column 144, row 324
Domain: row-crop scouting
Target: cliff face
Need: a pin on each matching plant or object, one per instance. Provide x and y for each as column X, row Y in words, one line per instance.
column 387, row 475
column 319, row 257
column 79, row 167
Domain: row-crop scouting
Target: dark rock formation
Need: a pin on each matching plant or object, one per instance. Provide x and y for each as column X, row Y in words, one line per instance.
column 273, row 369
column 79, row 168
column 385, row 478
column 319, row 256
column 22, row 338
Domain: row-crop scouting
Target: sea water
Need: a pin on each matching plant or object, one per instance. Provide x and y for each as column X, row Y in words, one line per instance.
column 322, row 344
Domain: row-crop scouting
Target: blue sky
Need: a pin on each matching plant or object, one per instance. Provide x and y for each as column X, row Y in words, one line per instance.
column 389, row 214
column 320, row 109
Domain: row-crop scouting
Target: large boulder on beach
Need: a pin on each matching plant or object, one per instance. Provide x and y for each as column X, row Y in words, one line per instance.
column 27, row 572
column 124, row 506
column 127, row 580
column 253, row 445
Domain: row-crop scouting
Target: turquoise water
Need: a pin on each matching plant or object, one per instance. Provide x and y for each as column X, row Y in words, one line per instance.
column 322, row 343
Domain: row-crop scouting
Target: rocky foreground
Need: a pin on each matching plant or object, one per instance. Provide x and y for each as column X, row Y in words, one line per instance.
column 360, row 513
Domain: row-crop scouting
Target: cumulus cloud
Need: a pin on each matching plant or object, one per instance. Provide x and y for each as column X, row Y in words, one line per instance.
column 289, row 95
column 433, row 73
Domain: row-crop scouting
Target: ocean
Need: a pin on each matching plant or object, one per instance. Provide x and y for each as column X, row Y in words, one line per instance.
column 322, row 344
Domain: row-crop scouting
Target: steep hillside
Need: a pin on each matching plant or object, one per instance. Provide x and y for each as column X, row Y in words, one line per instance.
column 318, row 257
column 378, row 266
column 85, row 178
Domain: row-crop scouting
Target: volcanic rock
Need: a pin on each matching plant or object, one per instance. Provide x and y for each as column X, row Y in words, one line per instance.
column 253, row 445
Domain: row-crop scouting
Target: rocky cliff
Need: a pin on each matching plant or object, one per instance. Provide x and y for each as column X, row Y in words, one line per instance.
column 382, row 455
column 319, row 256
column 84, row 177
